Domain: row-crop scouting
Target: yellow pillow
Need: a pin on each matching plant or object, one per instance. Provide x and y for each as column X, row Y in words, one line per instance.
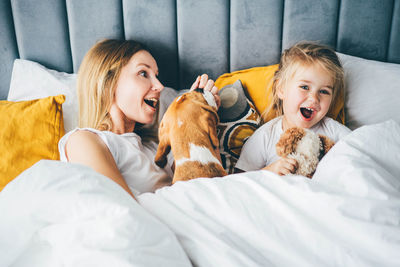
column 258, row 84
column 29, row 132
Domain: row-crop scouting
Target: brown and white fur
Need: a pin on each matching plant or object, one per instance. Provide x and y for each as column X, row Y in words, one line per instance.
column 189, row 129
column 305, row 146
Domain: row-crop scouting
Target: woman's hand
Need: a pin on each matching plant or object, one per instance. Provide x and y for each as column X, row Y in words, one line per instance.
column 208, row 85
column 282, row 166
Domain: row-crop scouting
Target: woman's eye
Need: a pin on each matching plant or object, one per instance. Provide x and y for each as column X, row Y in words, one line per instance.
column 305, row 87
column 143, row 73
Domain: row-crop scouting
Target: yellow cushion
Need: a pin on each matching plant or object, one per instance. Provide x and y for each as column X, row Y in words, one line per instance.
column 258, row 84
column 29, row 132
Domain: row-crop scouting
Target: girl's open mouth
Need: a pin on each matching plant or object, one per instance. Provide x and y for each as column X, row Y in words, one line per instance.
column 152, row 102
column 307, row 113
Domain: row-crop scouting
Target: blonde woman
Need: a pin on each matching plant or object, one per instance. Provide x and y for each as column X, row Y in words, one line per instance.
column 309, row 81
column 118, row 92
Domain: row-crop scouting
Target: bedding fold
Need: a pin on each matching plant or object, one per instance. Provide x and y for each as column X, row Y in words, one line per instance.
column 347, row 215
column 63, row 214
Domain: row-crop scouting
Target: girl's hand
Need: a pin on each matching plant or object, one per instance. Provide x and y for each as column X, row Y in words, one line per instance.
column 282, row 166
column 208, row 85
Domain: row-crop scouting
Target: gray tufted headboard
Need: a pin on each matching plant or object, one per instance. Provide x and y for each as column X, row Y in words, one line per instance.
column 189, row 37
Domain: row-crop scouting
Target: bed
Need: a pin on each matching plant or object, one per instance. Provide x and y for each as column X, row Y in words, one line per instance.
column 60, row 214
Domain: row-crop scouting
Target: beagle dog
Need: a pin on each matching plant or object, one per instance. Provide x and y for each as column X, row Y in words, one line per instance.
column 189, row 129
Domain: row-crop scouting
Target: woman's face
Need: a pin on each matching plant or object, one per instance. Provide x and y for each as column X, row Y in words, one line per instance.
column 137, row 92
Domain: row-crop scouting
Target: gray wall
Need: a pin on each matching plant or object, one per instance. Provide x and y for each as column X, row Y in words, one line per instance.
column 190, row 37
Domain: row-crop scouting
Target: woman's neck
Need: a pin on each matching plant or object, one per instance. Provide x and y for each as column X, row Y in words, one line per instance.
column 120, row 124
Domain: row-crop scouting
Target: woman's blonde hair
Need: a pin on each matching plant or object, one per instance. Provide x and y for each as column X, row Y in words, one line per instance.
column 97, row 79
column 300, row 55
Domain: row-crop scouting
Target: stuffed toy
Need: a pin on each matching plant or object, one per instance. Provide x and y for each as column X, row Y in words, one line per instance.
column 305, row 146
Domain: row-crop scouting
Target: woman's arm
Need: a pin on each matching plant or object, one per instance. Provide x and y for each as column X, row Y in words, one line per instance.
column 87, row 148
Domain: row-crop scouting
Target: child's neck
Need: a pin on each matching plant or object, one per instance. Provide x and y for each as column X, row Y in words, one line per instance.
column 285, row 124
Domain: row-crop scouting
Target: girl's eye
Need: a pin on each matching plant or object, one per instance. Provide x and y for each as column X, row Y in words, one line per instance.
column 325, row 92
column 143, row 73
column 305, row 87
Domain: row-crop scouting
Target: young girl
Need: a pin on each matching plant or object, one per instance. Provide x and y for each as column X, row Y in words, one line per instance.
column 118, row 93
column 307, row 83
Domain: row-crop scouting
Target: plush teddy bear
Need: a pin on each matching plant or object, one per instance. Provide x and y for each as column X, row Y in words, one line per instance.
column 305, row 146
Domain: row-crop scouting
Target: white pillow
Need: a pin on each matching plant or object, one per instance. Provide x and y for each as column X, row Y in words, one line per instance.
column 30, row 80
column 372, row 91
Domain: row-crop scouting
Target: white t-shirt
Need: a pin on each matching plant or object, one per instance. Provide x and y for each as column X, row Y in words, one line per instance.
column 134, row 160
column 260, row 151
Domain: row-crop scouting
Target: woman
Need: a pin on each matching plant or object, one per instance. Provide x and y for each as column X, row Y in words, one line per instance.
column 118, row 92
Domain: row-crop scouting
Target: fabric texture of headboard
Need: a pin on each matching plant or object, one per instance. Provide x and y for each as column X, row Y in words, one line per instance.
column 189, row 37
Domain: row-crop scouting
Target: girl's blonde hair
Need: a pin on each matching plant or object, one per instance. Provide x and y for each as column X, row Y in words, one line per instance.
column 301, row 55
column 97, row 79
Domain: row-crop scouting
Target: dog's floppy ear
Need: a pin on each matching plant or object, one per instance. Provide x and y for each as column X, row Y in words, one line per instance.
column 288, row 141
column 163, row 147
column 326, row 143
column 213, row 134
column 209, row 123
column 210, row 109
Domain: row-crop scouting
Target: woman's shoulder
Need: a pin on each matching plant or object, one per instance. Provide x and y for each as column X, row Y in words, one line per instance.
column 83, row 136
column 79, row 134
column 92, row 133
column 82, row 140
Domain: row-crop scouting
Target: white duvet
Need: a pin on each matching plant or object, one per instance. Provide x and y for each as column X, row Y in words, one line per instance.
column 59, row 214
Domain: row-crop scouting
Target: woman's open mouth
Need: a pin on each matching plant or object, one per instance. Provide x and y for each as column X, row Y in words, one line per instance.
column 307, row 113
column 152, row 102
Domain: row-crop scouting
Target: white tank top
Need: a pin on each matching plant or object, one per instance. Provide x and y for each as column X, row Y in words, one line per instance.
column 134, row 160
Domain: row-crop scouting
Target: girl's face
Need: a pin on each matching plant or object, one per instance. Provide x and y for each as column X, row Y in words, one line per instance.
column 306, row 97
column 137, row 92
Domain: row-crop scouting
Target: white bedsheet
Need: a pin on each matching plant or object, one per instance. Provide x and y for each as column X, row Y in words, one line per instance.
column 61, row 214
column 347, row 215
